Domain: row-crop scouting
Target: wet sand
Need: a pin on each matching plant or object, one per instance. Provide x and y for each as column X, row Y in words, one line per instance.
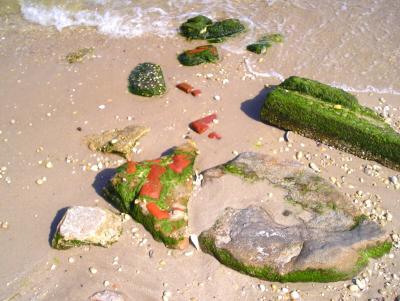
column 43, row 100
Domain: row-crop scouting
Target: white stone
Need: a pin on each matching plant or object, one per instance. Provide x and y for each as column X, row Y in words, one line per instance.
column 91, row 225
column 107, row 295
column 314, row 167
column 294, row 295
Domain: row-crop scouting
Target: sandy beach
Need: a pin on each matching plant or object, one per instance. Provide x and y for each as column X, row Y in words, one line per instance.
column 47, row 108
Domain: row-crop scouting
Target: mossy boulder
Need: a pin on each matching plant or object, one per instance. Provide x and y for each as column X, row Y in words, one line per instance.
column 334, row 117
column 199, row 55
column 264, row 43
column 147, row 79
column 117, row 141
column 87, row 226
column 203, row 28
column 156, row 193
column 306, row 231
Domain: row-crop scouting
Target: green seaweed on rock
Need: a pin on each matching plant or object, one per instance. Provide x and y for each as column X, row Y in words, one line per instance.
column 264, row 43
column 199, row 55
column 202, row 28
column 334, row 117
column 147, row 80
column 309, row 275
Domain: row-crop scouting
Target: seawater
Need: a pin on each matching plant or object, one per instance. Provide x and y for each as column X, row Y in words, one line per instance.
column 353, row 44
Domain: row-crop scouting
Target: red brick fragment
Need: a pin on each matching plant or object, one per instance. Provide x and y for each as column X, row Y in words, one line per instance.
column 201, row 125
column 156, row 211
column 180, row 163
column 198, row 126
column 185, row 87
column 151, row 189
column 156, row 171
column 196, row 92
column 214, row 135
column 131, row 168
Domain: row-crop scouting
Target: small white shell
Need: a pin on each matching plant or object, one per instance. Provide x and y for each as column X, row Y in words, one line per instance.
column 314, row 167
column 195, row 241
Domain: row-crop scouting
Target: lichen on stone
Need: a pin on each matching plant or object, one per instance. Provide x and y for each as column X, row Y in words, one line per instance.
column 147, row 80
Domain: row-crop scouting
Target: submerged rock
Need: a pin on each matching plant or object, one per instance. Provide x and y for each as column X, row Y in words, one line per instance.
column 79, row 55
column 147, row 80
column 107, row 295
column 199, row 55
column 119, row 141
column 308, row 231
column 203, row 28
column 264, row 43
column 334, row 117
column 87, row 226
column 156, row 193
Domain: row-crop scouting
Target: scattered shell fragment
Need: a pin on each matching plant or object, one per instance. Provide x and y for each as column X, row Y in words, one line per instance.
column 195, row 241
column 314, row 167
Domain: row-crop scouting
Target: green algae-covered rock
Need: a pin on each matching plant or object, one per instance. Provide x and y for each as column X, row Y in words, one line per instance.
column 308, row 230
column 87, row 226
column 334, row 117
column 202, row 28
column 199, row 55
column 156, row 193
column 79, row 55
column 264, row 43
column 147, row 80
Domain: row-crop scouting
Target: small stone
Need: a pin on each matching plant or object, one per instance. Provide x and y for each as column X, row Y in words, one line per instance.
column 49, row 164
column 107, row 295
column 314, row 167
column 354, row 288
column 299, row 155
column 102, row 107
column 294, row 295
column 361, row 283
column 53, row 267
column 106, row 283
column 92, row 270
column 71, row 259
column 39, row 181
column 261, row 287
column 217, row 98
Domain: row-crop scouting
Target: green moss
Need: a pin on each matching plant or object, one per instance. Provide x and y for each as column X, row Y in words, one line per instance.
column 199, row 55
column 309, row 275
column 264, row 43
column 79, row 55
column 334, row 117
column 202, row 28
column 236, row 169
column 125, row 188
column 60, row 243
column 358, row 220
column 147, row 80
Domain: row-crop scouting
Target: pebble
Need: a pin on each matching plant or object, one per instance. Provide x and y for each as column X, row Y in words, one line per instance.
column 294, row 295
column 49, row 165
column 261, row 287
column 217, row 98
column 394, row 180
column 314, row 167
column 71, row 259
column 106, row 283
column 92, row 270
column 354, row 288
column 102, row 107
column 299, row 155
column 195, row 241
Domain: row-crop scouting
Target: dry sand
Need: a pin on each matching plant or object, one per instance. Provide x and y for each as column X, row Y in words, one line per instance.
column 43, row 100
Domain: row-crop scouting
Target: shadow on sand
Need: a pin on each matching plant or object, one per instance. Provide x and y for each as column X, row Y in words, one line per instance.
column 55, row 222
column 252, row 107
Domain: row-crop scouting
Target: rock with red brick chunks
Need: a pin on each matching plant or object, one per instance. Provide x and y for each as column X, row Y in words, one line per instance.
column 156, row 193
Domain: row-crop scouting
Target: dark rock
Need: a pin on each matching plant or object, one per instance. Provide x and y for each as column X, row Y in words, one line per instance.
column 264, row 43
column 199, row 55
column 147, row 80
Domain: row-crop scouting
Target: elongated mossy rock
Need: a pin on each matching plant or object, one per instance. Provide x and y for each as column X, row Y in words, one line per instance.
column 307, row 230
column 118, row 141
column 203, row 28
column 147, row 80
column 79, row 55
column 334, row 117
column 264, row 43
column 199, row 55
column 156, row 193
column 87, row 226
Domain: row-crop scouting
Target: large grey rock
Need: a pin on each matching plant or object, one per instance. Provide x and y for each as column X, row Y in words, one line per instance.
column 307, row 231
column 87, row 225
